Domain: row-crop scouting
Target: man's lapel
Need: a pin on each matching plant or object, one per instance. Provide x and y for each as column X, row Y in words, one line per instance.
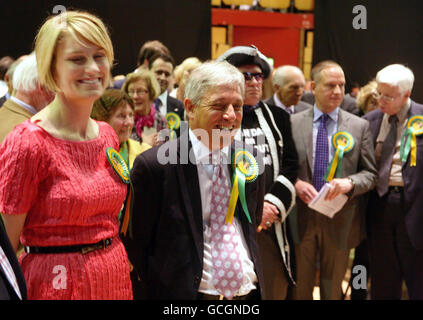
column 411, row 112
column 307, row 131
column 239, row 211
column 343, row 123
column 190, row 190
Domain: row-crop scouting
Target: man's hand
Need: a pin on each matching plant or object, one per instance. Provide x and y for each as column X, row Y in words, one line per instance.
column 270, row 214
column 305, row 191
column 151, row 139
column 339, row 186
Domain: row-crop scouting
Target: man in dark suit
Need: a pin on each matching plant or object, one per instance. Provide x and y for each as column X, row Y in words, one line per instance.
column 12, row 281
column 288, row 84
column 180, row 238
column 315, row 233
column 162, row 66
column 395, row 219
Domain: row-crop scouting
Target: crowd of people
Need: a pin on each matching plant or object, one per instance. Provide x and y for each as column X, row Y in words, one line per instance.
column 185, row 182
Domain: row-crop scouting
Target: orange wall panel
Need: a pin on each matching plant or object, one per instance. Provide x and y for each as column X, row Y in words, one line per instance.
column 280, row 44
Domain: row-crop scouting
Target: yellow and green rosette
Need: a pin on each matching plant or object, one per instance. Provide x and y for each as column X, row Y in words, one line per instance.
column 409, row 141
column 173, row 123
column 119, row 166
column 342, row 142
column 245, row 170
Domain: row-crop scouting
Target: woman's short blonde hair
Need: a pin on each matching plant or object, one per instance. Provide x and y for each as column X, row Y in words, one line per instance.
column 188, row 65
column 82, row 26
column 153, row 86
column 366, row 97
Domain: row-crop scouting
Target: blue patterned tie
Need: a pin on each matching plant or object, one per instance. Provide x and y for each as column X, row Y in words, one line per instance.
column 321, row 158
column 157, row 104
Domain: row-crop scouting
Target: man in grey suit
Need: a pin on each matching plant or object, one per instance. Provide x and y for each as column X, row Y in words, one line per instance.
column 288, row 84
column 315, row 233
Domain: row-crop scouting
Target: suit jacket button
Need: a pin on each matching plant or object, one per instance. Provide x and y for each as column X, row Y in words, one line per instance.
column 280, row 143
column 196, row 280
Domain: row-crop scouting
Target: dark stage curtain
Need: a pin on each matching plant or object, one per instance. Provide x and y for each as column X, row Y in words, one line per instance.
column 393, row 34
column 182, row 25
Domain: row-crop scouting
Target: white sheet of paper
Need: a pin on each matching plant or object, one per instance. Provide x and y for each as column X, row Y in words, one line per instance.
column 328, row 208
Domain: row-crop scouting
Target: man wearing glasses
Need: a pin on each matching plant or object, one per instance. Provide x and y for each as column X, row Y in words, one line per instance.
column 268, row 128
column 395, row 219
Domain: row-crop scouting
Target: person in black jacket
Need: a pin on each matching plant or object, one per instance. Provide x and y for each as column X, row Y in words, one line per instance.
column 12, row 281
column 179, row 204
column 162, row 66
column 268, row 128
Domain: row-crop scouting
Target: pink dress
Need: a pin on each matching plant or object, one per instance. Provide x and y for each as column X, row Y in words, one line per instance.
column 71, row 196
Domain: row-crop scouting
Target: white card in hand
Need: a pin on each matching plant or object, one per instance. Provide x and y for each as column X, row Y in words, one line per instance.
column 328, row 208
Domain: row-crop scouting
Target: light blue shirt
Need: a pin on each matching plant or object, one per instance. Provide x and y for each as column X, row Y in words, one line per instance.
column 331, row 127
column 279, row 104
column 163, row 103
column 25, row 105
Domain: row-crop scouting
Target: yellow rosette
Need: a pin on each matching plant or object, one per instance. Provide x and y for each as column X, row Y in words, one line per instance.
column 119, row 166
column 343, row 142
column 173, row 123
column 245, row 170
column 409, row 141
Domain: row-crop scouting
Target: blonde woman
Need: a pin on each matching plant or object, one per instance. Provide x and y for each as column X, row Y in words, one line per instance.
column 58, row 193
column 181, row 75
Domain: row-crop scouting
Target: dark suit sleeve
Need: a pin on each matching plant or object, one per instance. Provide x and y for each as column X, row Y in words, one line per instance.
column 282, row 192
column 145, row 178
column 6, row 290
column 349, row 104
column 176, row 106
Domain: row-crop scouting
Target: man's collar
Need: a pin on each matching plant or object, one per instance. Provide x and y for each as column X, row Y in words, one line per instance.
column 403, row 113
column 163, row 97
column 333, row 115
column 280, row 104
column 202, row 153
column 25, row 105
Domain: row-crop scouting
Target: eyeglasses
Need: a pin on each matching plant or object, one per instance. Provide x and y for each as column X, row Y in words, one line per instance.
column 378, row 95
column 249, row 76
column 139, row 92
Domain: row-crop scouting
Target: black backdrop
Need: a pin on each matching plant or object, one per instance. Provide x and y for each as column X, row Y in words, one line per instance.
column 394, row 34
column 182, row 25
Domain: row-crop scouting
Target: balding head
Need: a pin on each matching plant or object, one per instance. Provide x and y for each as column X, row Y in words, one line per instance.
column 288, row 84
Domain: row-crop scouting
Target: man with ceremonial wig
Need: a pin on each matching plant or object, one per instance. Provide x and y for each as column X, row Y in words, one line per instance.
column 193, row 228
column 334, row 146
column 395, row 208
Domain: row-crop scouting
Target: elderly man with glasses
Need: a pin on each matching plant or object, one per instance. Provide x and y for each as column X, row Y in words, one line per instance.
column 395, row 208
column 268, row 128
